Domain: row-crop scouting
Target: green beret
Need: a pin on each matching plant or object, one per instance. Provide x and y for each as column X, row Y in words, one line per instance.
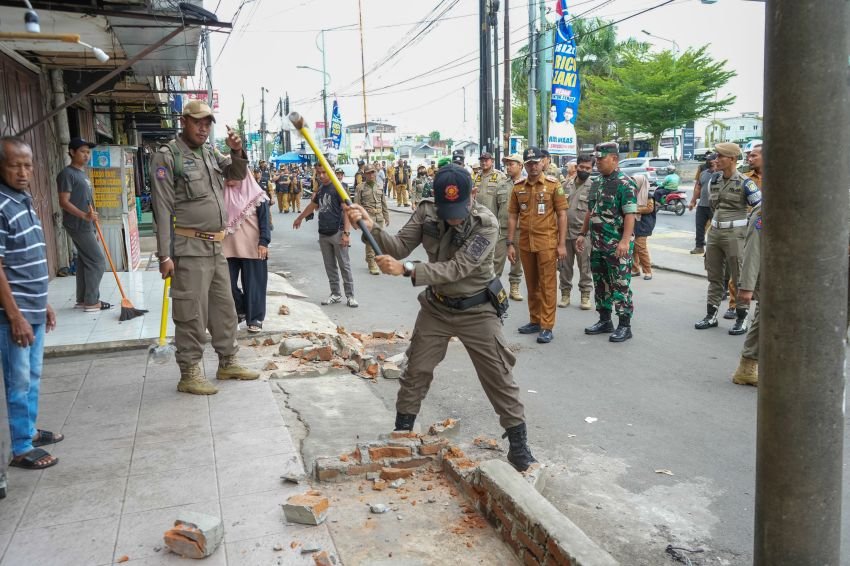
column 608, row 148
column 444, row 161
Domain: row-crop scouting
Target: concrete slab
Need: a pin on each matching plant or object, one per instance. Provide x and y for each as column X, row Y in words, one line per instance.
column 83, row 543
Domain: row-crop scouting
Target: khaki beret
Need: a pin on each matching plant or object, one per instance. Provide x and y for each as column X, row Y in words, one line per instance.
column 517, row 158
column 728, row 149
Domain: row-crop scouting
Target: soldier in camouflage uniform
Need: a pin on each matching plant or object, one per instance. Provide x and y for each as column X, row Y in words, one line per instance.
column 422, row 186
column 612, row 206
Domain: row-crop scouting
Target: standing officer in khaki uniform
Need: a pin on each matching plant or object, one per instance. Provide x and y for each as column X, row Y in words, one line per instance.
column 513, row 168
column 187, row 178
column 463, row 298
column 539, row 206
column 492, row 188
column 401, row 181
column 577, row 189
column 731, row 195
column 372, row 198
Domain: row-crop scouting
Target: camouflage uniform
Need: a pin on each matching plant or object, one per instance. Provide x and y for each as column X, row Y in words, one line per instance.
column 611, row 198
column 422, row 188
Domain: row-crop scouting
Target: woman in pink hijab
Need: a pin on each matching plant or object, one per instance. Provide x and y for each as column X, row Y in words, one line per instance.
column 246, row 247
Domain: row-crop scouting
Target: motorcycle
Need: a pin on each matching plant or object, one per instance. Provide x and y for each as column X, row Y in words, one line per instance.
column 674, row 201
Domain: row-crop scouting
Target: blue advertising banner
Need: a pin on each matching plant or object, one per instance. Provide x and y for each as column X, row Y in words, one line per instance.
column 336, row 126
column 566, row 89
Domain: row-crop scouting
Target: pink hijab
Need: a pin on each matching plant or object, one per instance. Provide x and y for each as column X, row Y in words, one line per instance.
column 241, row 201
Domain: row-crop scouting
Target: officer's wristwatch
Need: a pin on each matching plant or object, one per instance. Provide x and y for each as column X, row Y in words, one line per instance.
column 408, row 268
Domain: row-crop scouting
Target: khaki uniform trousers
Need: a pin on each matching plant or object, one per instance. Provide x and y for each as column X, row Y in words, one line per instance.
column 295, row 201
column 565, row 269
column 402, row 195
column 480, row 332
column 378, row 219
column 541, row 280
column 282, row 202
column 201, row 300
column 500, row 257
column 724, row 247
column 751, row 342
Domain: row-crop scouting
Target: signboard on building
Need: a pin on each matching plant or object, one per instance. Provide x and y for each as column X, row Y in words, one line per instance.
column 202, row 95
column 688, row 142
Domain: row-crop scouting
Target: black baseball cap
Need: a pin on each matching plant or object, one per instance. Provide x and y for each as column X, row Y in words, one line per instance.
column 545, row 153
column 532, row 154
column 77, row 143
column 452, row 190
column 458, row 156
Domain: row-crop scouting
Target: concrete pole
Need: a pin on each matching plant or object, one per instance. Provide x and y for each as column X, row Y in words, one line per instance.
column 506, row 97
column 532, row 73
column 544, row 75
column 325, row 87
column 802, row 385
column 208, row 50
column 263, row 123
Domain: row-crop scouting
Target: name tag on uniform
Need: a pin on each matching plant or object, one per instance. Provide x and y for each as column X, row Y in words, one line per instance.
column 189, row 164
column 541, row 208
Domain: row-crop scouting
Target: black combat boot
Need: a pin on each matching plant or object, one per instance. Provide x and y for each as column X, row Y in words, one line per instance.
column 404, row 422
column 519, row 454
column 710, row 320
column 740, row 326
column 623, row 332
column 604, row 326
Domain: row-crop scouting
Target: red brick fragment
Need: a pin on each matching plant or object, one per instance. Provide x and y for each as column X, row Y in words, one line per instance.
column 379, row 452
column 395, row 473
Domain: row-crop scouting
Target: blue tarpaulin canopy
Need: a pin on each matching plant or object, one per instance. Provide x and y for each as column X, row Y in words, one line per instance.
column 289, row 157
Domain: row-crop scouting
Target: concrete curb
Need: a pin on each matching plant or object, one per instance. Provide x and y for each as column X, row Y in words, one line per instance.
column 679, row 271
column 538, row 533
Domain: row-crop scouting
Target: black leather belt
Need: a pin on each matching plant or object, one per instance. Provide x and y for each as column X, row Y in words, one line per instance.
column 460, row 303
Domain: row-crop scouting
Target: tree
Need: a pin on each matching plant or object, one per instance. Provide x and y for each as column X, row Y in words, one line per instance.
column 656, row 92
column 434, row 136
column 240, row 122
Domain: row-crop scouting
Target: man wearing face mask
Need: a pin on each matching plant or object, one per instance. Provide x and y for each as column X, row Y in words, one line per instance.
column 577, row 189
column 462, row 297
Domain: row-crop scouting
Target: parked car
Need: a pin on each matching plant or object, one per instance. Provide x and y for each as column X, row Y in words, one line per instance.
column 645, row 166
column 349, row 171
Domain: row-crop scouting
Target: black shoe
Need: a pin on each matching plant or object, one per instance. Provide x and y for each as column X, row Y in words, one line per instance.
column 601, row 327
column 545, row 337
column 740, row 326
column 730, row 314
column 530, row 328
column 519, row 455
column 710, row 320
column 622, row 334
column 404, row 422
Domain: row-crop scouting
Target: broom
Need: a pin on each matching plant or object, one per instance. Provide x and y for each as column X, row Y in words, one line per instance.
column 128, row 311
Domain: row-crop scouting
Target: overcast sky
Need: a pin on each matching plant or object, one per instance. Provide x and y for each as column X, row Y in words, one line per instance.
column 272, row 37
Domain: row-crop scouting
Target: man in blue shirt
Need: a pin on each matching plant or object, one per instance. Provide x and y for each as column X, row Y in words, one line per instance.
column 25, row 315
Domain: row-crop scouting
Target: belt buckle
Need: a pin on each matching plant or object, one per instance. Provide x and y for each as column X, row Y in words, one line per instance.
column 205, row 236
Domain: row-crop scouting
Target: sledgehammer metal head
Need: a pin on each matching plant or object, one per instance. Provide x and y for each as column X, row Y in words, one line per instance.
column 298, row 121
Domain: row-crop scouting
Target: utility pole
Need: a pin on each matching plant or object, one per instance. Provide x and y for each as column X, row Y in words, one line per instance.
column 208, row 54
column 263, row 123
column 532, row 73
column 485, row 84
column 544, row 75
column 801, row 393
column 366, row 140
column 506, row 97
column 494, row 23
column 287, row 140
column 324, row 86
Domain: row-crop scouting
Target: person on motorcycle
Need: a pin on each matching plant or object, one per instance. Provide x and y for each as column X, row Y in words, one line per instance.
column 668, row 185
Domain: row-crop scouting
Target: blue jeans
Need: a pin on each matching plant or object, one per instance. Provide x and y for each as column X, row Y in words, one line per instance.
column 22, row 378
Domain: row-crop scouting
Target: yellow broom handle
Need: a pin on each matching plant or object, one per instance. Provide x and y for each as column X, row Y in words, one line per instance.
column 163, row 323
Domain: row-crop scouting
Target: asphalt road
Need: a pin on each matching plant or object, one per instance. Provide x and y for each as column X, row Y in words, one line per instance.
column 671, row 456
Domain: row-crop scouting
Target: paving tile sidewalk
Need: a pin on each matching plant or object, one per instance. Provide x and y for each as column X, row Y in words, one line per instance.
column 137, row 452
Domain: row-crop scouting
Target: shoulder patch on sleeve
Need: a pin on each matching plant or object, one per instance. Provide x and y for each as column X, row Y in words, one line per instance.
column 477, row 246
column 161, row 172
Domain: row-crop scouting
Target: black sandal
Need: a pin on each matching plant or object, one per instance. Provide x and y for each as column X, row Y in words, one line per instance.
column 104, row 306
column 46, row 437
column 29, row 461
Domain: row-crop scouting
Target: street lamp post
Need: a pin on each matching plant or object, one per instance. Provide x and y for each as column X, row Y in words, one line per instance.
column 326, row 78
column 676, row 52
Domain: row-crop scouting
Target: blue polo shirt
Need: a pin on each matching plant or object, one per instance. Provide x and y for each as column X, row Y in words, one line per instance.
column 24, row 255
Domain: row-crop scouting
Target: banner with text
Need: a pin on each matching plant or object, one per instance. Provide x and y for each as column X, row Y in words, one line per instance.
column 566, row 88
column 336, row 126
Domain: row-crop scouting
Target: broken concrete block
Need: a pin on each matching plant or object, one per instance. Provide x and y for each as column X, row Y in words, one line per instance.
column 322, row 559
column 352, row 365
column 448, row 428
column 391, row 371
column 395, row 484
column 398, row 359
column 270, row 365
column 383, row 334
column 283, row 310
column 292, row 344
column 306, row 509
column 373, row 370
column 378, row 508
column 194, row 535
column 379, row 485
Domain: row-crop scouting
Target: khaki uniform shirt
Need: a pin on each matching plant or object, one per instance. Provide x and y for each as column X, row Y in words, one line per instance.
column 372, row 198
column 577, row 193
column 493, row 191
column 755, row 177
column 554, row 171
column 196, row 201
column 460, row 258
column 731, row 197
column 537, row 205
column 391, row 175
column 431, row 171
column 751, row 265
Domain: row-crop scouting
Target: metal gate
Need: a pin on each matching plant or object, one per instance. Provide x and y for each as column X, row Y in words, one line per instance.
column 21, row 104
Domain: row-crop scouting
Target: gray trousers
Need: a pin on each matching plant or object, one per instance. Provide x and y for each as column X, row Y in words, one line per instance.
column 334, row 254
column 565, row 268
column 724, row 249
column 90, row 265
column 751, row 342
column 500, row 257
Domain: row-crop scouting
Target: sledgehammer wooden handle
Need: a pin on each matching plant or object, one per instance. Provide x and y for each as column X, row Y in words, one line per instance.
column 298, row 121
